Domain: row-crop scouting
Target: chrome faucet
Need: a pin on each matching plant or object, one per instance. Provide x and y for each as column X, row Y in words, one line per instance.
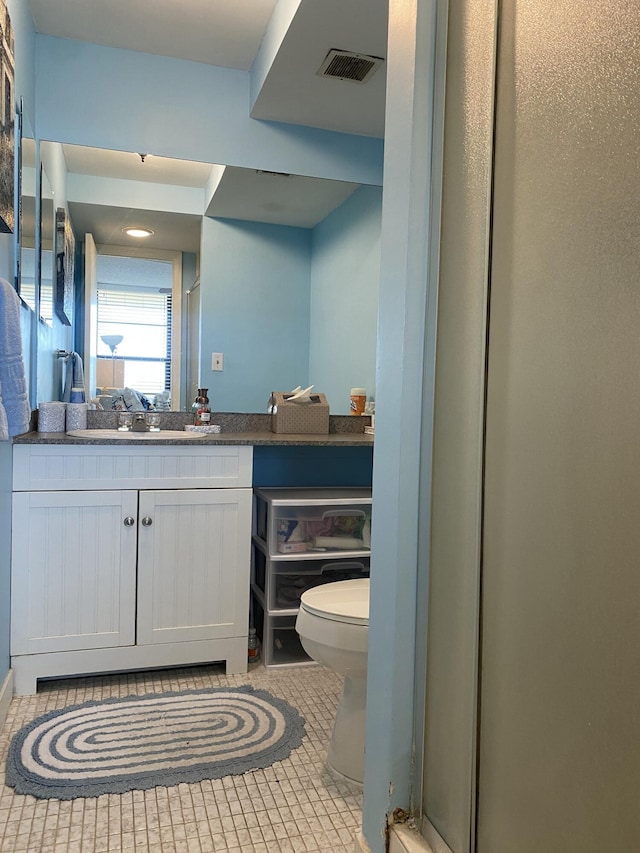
column 139, row 423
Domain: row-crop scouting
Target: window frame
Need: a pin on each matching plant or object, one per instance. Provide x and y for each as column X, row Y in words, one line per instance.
column 175, row 258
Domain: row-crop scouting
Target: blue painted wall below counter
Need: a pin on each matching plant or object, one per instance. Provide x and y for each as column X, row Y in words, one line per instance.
column 300, row 467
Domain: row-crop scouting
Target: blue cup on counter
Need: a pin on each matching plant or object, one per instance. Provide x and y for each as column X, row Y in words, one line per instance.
column 77, row 395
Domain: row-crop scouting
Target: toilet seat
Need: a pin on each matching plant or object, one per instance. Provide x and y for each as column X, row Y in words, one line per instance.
column 342, row 601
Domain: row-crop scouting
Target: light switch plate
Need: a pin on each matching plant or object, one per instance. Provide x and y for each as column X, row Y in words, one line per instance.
column 217, row 361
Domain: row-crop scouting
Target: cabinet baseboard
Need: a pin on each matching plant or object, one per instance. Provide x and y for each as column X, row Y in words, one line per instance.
column 27, row 669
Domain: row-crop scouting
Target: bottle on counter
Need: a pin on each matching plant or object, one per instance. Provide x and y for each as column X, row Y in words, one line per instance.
column 201, row 408
column 253, row 652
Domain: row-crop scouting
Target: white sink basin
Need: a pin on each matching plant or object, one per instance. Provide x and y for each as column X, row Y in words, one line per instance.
column 93, row 434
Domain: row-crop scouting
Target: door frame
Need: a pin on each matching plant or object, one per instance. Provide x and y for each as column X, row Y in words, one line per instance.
column 172, row 257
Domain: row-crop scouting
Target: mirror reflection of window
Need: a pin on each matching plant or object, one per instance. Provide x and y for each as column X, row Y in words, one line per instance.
column 47, row 237
column 134, row 302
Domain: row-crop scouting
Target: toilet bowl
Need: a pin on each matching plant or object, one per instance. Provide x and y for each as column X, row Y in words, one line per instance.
column 333, row 624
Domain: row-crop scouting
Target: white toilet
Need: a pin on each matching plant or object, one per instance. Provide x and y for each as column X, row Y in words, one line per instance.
column 333, row 624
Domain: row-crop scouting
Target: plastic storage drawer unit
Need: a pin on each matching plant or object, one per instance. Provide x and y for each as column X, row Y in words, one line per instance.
column 290, row 579
column 302, row 538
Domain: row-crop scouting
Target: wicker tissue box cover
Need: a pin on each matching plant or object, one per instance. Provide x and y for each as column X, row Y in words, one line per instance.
column 303, row 418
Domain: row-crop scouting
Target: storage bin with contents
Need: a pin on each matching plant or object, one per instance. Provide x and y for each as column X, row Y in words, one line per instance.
column 339, row 529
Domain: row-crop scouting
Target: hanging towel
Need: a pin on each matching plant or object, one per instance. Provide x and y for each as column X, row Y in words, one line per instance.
column 15, row 412
column 74, row 376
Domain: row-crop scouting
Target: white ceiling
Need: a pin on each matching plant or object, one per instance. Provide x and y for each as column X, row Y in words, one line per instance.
column 127, row 165
column 293, row 91
column 216, row 32
column 280, row 199
column 178, row 232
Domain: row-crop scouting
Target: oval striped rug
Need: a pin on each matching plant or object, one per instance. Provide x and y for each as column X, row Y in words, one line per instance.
column 140, row 742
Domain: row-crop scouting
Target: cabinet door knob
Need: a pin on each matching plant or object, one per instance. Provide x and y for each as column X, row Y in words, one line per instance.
column 146, row 521
column 129, row 521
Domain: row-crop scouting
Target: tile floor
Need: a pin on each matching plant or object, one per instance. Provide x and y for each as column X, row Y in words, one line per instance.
column 294, row 806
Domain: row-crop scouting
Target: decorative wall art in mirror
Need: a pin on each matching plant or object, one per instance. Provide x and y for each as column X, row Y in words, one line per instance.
column 17, row 194
column 65, row 267
column 285, row 268
column 46, row 249
column 7, row 122
column 27, row 231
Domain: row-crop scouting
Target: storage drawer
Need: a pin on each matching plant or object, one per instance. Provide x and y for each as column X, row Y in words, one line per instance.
column 304, row 529
column 281, row 644
column 289, row 579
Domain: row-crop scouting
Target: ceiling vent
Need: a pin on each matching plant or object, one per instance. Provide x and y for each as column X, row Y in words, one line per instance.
column 346, row 65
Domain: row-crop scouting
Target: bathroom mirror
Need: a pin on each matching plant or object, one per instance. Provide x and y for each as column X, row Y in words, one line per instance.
column 274, row 270
column 46, row 242
column 27, row 232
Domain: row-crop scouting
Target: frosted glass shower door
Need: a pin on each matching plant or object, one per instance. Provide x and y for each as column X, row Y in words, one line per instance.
column 559, row 757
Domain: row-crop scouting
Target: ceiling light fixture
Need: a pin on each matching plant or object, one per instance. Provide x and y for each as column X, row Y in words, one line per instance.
column 136, row 231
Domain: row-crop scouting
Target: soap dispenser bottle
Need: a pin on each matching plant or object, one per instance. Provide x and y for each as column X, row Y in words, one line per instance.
column 201, row 408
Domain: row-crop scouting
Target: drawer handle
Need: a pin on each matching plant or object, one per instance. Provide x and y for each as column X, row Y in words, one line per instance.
column 349, row 566
column 329, row 513
column 129, row 521
column 146, row 521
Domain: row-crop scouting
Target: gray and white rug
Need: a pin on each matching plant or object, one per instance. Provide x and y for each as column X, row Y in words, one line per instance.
column 140, row 742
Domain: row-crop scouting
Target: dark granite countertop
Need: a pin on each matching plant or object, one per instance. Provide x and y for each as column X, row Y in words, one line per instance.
column 228, row 438
column 236, row 429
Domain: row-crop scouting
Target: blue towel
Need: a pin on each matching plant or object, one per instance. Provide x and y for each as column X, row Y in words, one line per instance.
column 74, row 376
column 15, row 411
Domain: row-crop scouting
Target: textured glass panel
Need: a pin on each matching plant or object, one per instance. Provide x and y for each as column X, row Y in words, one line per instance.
column 459, row 405
column 560, row 753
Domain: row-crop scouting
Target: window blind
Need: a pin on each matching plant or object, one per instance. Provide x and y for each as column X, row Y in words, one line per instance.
column 143, row 318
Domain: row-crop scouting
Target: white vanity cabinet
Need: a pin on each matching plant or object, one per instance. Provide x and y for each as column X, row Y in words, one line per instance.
column 73, row 571
column 190, row 546
column 128, row 557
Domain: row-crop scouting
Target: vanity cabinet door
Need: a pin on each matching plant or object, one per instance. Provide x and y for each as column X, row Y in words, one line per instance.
column 73, row 570
column 193, row 565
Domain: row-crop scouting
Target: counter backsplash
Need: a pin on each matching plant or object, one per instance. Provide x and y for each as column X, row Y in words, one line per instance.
column 229, row 421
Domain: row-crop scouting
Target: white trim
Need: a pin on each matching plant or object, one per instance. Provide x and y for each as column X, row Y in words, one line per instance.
column 6, row 694
column 438, row 96
column 360, row 845
column 29, row 668
column 404, row 839
column 433, row 838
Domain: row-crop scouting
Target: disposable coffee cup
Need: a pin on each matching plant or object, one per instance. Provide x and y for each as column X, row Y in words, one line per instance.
column 358, row 400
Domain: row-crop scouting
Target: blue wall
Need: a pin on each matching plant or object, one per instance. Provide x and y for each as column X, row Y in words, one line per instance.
column 199, row 112
column 181, row 109
column 289, row 306
column 285, row 467
column 254, row 283
column 25, row 89
column 345, row 273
